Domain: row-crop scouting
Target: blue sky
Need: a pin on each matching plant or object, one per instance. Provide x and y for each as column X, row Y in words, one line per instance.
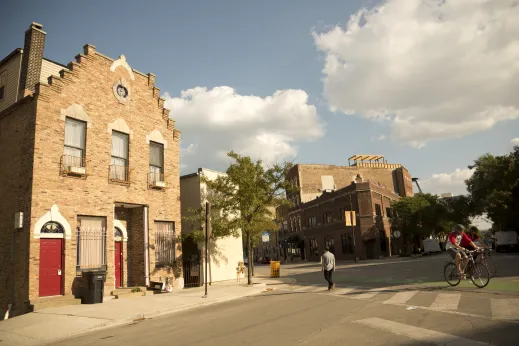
column 259, row 47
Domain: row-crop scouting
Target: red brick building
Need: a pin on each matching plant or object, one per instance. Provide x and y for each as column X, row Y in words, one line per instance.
column 367, row 186
column 89, row 176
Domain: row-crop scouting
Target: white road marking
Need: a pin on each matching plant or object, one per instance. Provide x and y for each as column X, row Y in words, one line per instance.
column 505, row 309
column 342, row 291
column 446, row 301
column 366, row 295
column 400, row 297
column 305, row 288
column 416, row 333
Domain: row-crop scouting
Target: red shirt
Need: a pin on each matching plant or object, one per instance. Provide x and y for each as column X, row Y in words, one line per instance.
column 473, row 237
column 462, row 240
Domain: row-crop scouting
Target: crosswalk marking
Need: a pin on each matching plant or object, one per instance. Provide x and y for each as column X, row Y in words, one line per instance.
column 366, row 295
column 401, row 297
column 446, row 301
column 342, row 291
column 503, row 309
column 416, row 333
column 305, row 288
column 506, row 309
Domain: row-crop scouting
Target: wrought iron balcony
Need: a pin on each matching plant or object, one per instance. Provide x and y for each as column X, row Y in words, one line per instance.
column 73, row 166
column 156, row 180
column 119, row 174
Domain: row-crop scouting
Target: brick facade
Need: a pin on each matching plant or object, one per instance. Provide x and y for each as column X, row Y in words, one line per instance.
column 368, row 184
column 371, row 203
column 31, row 147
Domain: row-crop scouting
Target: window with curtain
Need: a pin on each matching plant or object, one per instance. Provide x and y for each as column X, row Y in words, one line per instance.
column 91, row 242
column 165, row 244
column 156, row 161
column 119, row 163
column 75, row 139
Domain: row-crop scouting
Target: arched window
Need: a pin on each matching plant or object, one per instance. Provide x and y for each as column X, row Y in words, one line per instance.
column 118, row 234
column 52, row 227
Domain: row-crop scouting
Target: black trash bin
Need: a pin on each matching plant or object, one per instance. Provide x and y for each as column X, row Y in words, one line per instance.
column 95, row 281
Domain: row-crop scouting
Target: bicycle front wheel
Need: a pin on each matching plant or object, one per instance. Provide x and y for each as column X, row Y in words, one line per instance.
column 480, row 276
column 450, row 272
column 491, row 266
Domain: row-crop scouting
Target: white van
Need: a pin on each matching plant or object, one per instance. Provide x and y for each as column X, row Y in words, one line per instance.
column 506, row 241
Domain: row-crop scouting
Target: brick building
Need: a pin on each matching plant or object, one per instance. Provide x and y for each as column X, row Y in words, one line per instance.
column 89, row 176
column 317, row 217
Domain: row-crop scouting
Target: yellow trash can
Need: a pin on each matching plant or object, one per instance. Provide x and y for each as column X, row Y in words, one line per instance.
column 275, row 268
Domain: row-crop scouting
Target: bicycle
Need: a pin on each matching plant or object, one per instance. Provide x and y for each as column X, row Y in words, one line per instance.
column 477, row 271
column 485, row 258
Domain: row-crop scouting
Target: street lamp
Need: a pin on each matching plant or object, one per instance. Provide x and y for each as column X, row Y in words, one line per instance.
column 479, row 165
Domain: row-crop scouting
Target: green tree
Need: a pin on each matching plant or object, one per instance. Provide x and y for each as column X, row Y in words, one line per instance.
column 193, row 219
column 494, row 188
column 247, row 194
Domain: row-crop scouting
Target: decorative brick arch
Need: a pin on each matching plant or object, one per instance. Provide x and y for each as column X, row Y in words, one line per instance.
column 53, row 215
column 121, row 126
column 118, row 224
column 156, row 136
column 123, row 63
column 77, row 112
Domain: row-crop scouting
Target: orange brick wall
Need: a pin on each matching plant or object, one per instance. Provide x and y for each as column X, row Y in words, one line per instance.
column 90, row 84
column 16, row 148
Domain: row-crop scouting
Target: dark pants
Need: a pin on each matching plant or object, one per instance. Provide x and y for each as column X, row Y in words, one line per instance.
column 328, row 277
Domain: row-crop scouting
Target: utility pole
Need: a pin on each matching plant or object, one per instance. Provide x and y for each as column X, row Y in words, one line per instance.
column 207, row 235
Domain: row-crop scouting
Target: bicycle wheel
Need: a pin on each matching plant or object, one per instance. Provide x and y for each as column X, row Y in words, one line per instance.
column 491, row 266
column 450, row 272
column 480, row 276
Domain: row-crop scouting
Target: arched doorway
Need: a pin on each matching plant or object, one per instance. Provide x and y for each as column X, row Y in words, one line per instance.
column 51, row 260
column 118, row 257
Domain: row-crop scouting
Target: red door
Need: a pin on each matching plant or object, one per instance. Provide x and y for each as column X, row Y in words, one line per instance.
column 118, row 264
column 51, row 269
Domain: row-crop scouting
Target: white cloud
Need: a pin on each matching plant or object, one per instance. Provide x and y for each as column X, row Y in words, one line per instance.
column 453, row 182
column 515, row 141
column 215, row 121
column 431, row 69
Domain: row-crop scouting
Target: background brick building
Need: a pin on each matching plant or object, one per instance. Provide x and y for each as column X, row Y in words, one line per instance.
column 317, row 217
column 91, row 158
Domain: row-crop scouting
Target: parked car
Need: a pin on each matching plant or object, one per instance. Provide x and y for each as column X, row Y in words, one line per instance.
column 264, row 260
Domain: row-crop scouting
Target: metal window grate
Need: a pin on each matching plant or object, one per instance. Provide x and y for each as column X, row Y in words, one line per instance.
column 91, row 248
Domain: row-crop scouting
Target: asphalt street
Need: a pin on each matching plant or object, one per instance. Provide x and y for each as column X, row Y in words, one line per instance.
column 361, row 311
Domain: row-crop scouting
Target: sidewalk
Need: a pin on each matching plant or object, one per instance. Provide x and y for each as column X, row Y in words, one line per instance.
column 54, row 324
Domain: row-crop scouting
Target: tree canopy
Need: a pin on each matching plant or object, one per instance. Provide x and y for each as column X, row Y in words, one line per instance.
column 246, row 195
column 494, row 188
column 425, row 214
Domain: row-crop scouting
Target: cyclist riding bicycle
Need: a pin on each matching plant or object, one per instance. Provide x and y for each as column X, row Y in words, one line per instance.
column 457, row 243
column 473, row 234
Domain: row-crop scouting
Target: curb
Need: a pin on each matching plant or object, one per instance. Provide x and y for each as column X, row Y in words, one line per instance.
column 141, row 316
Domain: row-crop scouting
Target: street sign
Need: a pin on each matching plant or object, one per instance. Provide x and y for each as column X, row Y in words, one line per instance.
column 265, row 237
column 350, row 218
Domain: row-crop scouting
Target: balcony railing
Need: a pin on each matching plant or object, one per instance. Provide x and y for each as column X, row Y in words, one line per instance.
column 73, row 165
column 156, row 180
column 119, row 174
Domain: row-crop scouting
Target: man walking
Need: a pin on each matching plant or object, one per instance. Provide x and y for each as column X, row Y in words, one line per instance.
column 328, row 266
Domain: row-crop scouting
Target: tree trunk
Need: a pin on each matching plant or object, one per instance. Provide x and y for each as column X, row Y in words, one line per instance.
column 249, row 265
column 252, row 263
